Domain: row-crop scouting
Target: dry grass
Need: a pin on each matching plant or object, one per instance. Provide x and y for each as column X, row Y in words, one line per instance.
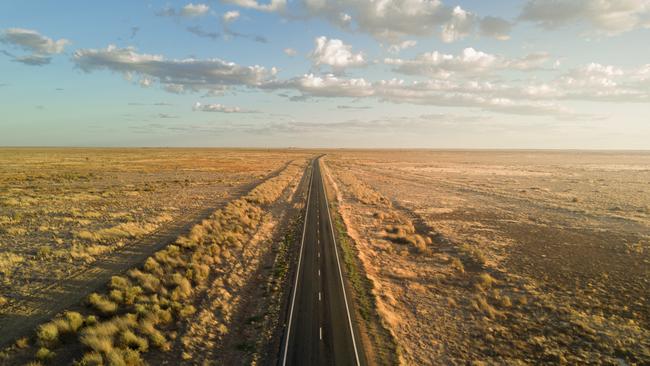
column 535, row 257
column 62, row 210
column 134, row 314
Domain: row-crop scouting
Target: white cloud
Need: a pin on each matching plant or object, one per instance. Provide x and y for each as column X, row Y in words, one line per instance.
column 174, row 75
column 393, row 20
column 595, row 82
column 194, row 10
column 329, row 86
column 469, row 62
column 290, row 52
column 230, row 16
column 218, row 108
column 606, row 16
column 274, row 5
column 397, row 48
column 39, row 46
column 32, row 41
column 485, row 96
column 459, row 26
column 335, row 53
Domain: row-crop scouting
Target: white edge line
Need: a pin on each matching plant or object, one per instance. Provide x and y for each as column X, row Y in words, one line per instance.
column 354, row 342
column 295, row 286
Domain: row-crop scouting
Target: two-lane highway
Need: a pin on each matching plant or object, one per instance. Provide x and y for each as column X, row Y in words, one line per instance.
column 320, row 330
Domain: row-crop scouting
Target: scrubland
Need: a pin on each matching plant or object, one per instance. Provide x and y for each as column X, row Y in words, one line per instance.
column 79, row 220
column 494, row 257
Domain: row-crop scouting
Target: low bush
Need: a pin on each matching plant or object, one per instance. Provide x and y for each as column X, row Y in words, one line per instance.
column 137, row 306
column 44, row 354
column 48, row 334
column 102, row 304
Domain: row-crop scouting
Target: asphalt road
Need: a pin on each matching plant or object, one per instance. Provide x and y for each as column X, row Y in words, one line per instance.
column 320, row 330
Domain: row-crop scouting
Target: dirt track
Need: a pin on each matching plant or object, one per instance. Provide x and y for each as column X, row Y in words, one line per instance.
column 54, row 297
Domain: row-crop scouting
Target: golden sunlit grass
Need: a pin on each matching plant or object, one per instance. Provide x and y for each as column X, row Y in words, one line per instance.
column 527, row 252
column 64, row 212
column 132, row 316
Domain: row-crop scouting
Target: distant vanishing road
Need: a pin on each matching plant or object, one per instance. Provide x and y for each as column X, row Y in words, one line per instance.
column 320, row 330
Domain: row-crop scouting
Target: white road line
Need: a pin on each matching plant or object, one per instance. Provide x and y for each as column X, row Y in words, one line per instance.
column 354, row 342
column 320, row 331
column 295, row 286
column 318, row 295
column 319, row 272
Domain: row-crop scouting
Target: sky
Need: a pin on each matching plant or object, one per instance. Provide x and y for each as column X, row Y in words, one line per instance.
column 548, row 74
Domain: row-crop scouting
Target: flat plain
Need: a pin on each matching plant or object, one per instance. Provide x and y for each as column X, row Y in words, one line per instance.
column 72, row 218
column 185, row 256
column 504, row 257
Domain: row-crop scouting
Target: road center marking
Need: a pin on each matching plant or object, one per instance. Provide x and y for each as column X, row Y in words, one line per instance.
column 319, row 272
column 320, row 331
column 318, row 295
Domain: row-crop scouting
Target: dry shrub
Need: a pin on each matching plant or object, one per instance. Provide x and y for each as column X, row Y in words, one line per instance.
column 147, row 281
column 457, row 265
column 480, row 304
column 147, row 327
column 484, row 281
column 91, row 359
column 102, row 304
column 44, row 354
column 7, row 263
column 161, row 291
column 48, row 334
column 187, row 311
column 131, row 340
column 473, row 254
column 22, row 343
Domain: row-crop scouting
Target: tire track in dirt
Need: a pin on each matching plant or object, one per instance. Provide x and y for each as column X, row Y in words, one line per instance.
column 71, row 292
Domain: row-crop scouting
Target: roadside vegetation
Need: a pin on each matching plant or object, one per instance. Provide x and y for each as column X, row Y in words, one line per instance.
column 380, row 346
column 148, row 307
column 468, row 268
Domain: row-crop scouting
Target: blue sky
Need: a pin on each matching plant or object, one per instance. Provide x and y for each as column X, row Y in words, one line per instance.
column 326, row 73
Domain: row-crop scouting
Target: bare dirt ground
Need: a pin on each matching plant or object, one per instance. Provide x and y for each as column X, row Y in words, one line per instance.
column 70, row 218
column 493, row 257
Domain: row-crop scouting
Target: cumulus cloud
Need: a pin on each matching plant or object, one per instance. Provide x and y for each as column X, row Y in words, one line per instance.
column 469, row 62
column 335, row 53
column 596, row 82
column 459, row 26
column 39, row 46
column 230, row 16
column 273, row 5
column 446, row 93
column 606, row 16
column 218, row 108
column 194, row 10
column 174, row 75
column 393, row 20
column 591, row 82
column 328, row 85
